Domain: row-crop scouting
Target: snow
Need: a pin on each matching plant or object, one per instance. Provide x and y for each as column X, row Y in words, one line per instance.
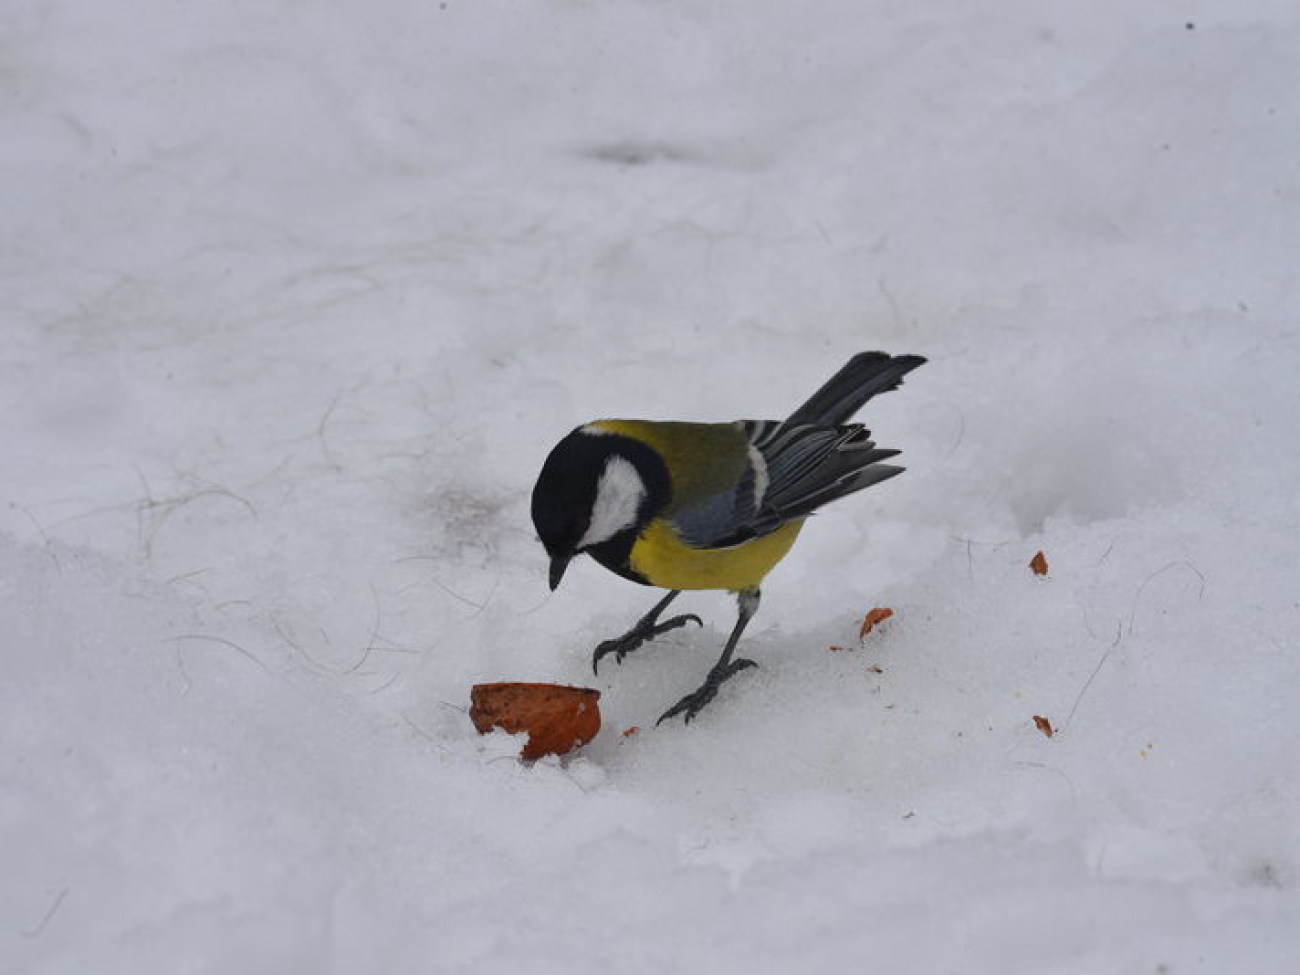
column 296, row 298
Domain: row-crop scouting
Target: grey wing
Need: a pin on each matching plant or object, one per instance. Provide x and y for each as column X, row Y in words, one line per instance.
column 811, row 465
column 724, row 519
column 794, row 469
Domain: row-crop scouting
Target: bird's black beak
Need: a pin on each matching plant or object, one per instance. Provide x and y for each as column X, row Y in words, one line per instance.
column 558, row 564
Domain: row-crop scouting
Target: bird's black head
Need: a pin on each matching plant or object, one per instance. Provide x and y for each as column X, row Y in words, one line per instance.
column 594, row 487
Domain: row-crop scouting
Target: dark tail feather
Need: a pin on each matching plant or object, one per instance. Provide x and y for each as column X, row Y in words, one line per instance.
column 864, row 376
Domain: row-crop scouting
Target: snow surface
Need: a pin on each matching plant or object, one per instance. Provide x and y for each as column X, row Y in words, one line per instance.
column 295, row 298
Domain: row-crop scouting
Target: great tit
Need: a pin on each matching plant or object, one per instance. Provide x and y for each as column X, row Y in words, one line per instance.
column 708, row 505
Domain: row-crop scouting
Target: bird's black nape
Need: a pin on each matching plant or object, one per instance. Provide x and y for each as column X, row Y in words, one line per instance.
column 564, row 495
column 564, row 498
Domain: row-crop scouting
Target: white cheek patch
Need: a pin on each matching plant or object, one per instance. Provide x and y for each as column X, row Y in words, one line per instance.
column 619, row 494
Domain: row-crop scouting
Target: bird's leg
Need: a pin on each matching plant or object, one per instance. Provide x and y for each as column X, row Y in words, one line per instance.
column 647, row 628
column 723, row 670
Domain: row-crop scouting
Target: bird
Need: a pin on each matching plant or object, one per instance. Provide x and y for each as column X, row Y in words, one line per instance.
column 698, row 506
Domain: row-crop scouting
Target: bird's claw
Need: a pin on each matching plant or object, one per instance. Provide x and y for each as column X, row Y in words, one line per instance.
column 643, row 632
column 694, row 702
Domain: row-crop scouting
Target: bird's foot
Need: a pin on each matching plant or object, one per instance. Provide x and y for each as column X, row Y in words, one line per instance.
column 694, row 702
column 643, row 632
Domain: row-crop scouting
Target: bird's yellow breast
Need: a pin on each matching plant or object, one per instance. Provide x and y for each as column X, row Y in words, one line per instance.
column 663, row 559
